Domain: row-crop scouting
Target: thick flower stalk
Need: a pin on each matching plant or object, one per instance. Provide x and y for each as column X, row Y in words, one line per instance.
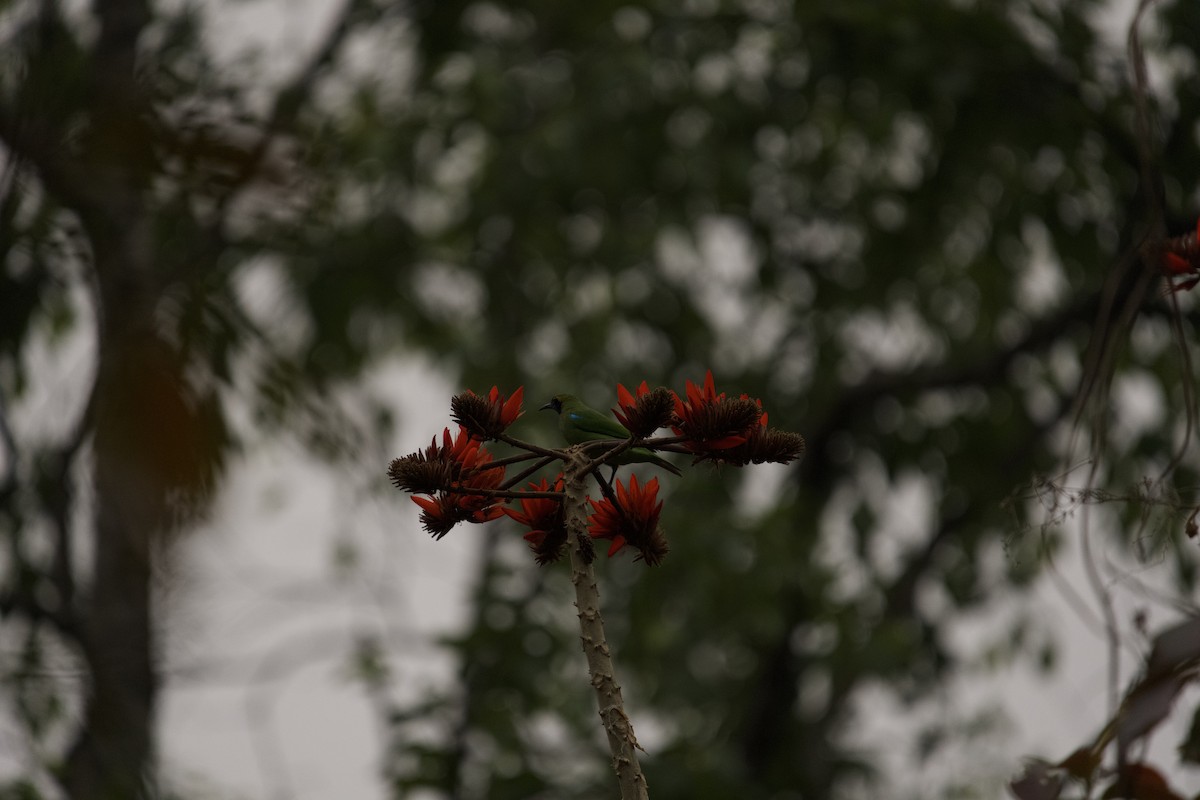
column 622, row 742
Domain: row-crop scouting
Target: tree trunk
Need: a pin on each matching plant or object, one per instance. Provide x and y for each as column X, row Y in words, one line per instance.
column 113, row 754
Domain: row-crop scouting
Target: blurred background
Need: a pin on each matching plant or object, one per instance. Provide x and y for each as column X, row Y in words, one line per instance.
column 250, row 249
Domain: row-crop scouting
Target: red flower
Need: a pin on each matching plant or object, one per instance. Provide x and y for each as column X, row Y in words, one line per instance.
column 628, row 402
column 1182, row 257
column 510, row 407
column 712, row 422
column 765, row 445
column 544, row 517
column 464, row 448
column 486, row 418
column 632, row 520
column 647, row 412
column 439, row 513
column 456, row 503
column 437, row 466
column 762, row 420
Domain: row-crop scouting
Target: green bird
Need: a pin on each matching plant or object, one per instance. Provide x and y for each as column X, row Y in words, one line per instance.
column 580, row 423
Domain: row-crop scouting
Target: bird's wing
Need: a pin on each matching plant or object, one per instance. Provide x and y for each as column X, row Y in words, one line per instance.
column 594, row 424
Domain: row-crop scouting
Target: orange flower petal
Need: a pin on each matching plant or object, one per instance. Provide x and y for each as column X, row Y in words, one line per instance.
column 428, row 503
column 624, row 398
column 512, row 408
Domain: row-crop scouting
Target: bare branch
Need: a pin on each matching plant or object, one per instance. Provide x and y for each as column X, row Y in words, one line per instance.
column 291, row 98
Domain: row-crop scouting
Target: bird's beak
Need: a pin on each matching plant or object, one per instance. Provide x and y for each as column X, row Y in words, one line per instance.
column 548, row 407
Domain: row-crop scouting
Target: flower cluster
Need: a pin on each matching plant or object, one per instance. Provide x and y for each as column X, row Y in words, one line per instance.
column 544, row 517
column 730, row 430
column 458, row 476
column 631, row 518
column 437, row 466
column 764, row 444
column 457, row 480
column 646, row 412
column 1181, row 257
column 486, row 417
column 709, row 421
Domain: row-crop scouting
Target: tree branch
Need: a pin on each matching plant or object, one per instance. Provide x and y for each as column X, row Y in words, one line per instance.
column 291, row 98
column 780, row 668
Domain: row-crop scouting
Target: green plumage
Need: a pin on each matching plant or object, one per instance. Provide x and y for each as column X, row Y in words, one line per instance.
column 579, row 423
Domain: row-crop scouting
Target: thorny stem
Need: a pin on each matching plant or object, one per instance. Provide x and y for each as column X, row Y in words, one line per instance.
column 578, row 465
column 621, row 739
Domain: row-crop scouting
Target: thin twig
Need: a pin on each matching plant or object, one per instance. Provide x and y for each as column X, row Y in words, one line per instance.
column 509, row 460
column 513, row 481
column 532, row 448
column 504, row 494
